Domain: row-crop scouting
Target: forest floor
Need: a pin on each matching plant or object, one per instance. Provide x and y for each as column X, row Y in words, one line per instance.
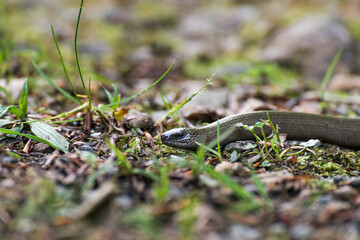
column 85, row 160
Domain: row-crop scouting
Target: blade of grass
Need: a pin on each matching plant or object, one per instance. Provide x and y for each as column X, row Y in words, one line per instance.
column 67, row 121
column 23, row 99
column 329, row 73
column 198, row 166
column 63, row 63
column 66, row 114
column 138, row 94
column 238, row 190
column 168, row 106
column 179, row 106
column 207, row 148
column 76, row 50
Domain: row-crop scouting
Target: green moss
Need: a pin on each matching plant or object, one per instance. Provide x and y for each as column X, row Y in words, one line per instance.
column 329, row 162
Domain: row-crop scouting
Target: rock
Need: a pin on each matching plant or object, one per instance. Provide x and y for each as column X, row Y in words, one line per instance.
column 42, row 147
column 224, row 167
column 311, row 43
column 141, row 120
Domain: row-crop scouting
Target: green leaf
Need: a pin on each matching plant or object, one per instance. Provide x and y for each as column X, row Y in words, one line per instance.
column 3, row 110
column 330, row 71
column 23, row 99
column 11, row 109
column 115, row 90
column 8, row 131
column 4, row 121
column 48, row 133
column 16, row 111
column 109, row 96
column 138, row 94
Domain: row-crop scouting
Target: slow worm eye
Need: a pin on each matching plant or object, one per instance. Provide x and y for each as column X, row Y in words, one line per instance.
column 180, row 135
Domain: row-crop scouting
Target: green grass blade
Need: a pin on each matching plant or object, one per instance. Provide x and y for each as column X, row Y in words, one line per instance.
column 108, row 94
column 238, row 190
column 16, row 111
column 76, row 50
column 138, row 94
column 62, row 62
column 23, row 99
column 115, row 90
column 209, row 149
column 179, row 106
column 330, row 71
column 51, row 82
column 66, row 114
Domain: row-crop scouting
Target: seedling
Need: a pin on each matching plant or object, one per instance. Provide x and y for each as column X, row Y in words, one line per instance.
column 43, row 132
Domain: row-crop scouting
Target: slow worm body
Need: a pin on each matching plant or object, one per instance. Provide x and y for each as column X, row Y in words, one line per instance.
column 298, row 126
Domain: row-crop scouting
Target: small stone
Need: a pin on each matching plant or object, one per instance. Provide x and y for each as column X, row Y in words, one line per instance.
column 224, row 167
column 140, row 120
column 42, row 147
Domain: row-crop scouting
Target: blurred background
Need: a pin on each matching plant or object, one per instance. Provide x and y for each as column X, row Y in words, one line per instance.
column 279, row 46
